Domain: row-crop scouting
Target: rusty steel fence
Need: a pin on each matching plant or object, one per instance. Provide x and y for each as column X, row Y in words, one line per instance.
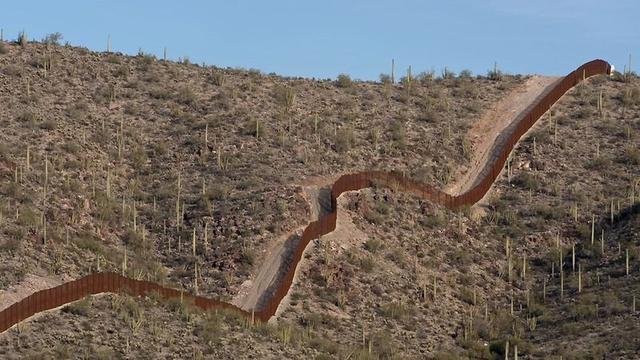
column 113, row 283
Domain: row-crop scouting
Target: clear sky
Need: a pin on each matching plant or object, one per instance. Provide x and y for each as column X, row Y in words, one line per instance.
column 359, row 37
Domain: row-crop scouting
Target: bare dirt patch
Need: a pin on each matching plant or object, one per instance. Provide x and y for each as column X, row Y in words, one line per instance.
column 31, row 284
column 484, row 133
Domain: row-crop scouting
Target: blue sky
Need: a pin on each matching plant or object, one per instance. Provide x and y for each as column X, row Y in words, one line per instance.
column 358, row 37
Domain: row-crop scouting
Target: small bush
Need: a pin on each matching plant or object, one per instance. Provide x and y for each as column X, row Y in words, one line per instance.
column 3, row 48
column 546, row 212
column 27, row 117
column 48, row 124
column 631, row 156
column 465, row 74
column 254, row 127
column 284, row 96
column 601, row 163
column 80, row 307
column 434, row 221
column 425, row 77
column 394, row 310
column 22, row 39
column 399, row 134
column 430, row 116
column 630, row 97
column 186, row 96
column 344, row 81
column 217, row 78
column 527, row 181
column 345, row 139
column 373, row 245
column 160, row 93
column 495, row 74
column 367, row 264
column 448, row 74
column 113, row 59
column 52, row 39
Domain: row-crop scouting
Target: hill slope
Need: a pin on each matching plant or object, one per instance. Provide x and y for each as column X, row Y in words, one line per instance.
column 389, row 299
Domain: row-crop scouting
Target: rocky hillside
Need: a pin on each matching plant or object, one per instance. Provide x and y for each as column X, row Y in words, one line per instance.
column 174, row 166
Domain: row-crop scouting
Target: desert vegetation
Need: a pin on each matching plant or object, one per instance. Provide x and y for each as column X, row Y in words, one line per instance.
column 186, row 174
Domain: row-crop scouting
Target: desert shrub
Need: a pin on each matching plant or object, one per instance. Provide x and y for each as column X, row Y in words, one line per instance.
column 344, row 81
column 448, row 74
column 630, row 97
column 27, row 117
column 139, row 156
column 218, row 191
column 581, row 311
column 495, row 74
column 48, row 124
column 465, row 89
column 425, row 77
column 434, row 221
column 383, row 346
column 446, row 355
column 367, row 264
column 104, row 94
column 28, row 217
column 122, row 71
column 345, row 139
column 465, row 148
column 186, row 96
column 284, row 96
column 399, row 134
column 465, row 74
column 601, row 163
column 22, row 39
column 217, row 78
column 130, row 310
column 583, row 112
column 87, row 242
column 247, row 258
column 112, row 59
column 473, row 107
column 430, row 116
column 52, row 39
column 71, row 147
column 210, row 328
column 527, row 181
column 546, row 212
column 3, row 48
column 324, row 345
column 146, row 60
column 373, row 245
column 461, row 257
column 133, row 240
column 394, row 310
column 4, row 151
column 160, row 93
column 385, row 78
column 374, row 217
column 467, row 295
column 80, row 307
column 254, row 127
column 630, row 156
column 14, row 243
